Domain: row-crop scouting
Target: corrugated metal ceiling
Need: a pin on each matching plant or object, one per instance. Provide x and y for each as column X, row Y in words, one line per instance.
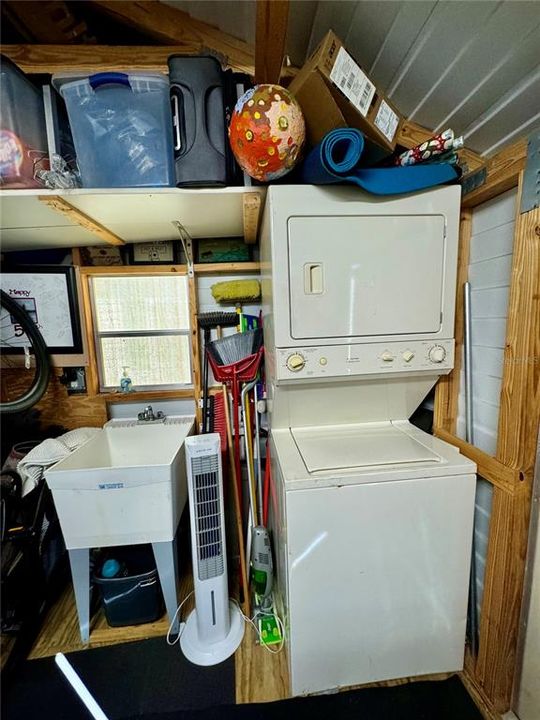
column 469, row 64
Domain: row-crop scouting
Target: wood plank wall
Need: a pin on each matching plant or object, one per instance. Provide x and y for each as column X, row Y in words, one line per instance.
column 56, row 406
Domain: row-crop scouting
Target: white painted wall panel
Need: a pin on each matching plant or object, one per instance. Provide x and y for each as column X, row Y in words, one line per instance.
column 451, row 26
column 331, row 15
column 491, row 300
column 492, row 214
column 487, row 388
column 402, row 34
column 477, row 65
column 489, row 274
column 499, row 243
column 235, row 17
column 482, row 516
column 487, row 361
column 489, row 332
column 370, row 25
column 507, row 117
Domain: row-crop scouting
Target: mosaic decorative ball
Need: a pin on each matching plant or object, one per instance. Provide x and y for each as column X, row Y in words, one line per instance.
column 267, row 132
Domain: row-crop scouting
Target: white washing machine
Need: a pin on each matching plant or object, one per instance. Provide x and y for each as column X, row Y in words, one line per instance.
column 371, row 517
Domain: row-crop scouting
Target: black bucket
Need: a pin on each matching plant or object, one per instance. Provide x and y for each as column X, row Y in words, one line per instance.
column 135, row 596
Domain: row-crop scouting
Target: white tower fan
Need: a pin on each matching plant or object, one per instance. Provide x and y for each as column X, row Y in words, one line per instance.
column 215, row 628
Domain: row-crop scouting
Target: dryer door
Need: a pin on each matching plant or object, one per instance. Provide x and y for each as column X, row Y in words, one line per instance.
column 365, row 276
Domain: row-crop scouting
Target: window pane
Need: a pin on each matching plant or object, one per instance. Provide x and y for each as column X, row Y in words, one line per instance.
column 161, row 360
column 141, row 303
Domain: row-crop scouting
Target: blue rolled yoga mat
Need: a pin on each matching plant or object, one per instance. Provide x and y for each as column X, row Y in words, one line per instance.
column 337, row 159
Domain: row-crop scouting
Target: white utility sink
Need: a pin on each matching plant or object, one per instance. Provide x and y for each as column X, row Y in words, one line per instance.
column 125, row 486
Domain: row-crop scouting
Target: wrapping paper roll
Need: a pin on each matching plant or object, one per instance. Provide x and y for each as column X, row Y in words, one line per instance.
column 428, row 150
column 338, row 158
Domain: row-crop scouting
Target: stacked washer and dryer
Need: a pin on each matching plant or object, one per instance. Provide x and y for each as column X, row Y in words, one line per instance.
column 371, row 517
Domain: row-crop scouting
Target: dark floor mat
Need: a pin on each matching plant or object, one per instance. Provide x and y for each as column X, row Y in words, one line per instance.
column 129, row 680
column 443, row 700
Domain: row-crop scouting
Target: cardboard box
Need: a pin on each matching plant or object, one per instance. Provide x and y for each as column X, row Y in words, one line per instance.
column 334, row 91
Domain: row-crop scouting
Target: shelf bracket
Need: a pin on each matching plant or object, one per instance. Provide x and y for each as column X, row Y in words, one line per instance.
column 59, row 204
column 251, row 203
column 187, row 246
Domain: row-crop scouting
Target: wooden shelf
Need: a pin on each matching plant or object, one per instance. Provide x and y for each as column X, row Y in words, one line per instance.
column 133, row 269
column 31, row 219
column 228, row 268
column 144, row 395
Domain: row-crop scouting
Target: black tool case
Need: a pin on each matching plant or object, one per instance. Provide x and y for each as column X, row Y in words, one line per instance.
column 200, row 133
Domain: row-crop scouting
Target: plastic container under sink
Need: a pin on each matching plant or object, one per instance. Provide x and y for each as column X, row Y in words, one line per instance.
column 122, row 129
column 133, row 597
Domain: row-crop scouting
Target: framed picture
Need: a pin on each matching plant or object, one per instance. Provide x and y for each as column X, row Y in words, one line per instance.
column 160, row 252
column 49, row 294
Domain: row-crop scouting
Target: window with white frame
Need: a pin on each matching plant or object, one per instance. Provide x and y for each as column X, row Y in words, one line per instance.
column 142, row 323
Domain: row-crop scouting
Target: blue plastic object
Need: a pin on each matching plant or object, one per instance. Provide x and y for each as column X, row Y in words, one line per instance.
column 110, row 568
column 122, row 129
column 108, row 78
column 338, row 158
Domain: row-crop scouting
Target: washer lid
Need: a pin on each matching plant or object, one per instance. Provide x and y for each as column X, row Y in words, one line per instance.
column 353, row 446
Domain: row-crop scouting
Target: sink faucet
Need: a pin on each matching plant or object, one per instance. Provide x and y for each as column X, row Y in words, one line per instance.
column 147, row 415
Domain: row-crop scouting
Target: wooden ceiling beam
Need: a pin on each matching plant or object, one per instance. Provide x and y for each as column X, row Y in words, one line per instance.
column 175, row 27
column 58, row 58
column 502, row 173
column 270, row 36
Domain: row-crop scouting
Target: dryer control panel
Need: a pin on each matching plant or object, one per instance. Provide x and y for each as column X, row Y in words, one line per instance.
column 342, row 361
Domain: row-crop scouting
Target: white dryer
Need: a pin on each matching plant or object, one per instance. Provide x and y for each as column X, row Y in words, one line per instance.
column 371, row 517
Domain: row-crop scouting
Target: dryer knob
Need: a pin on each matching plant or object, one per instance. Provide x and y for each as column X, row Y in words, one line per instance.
column 296, row 362
column 437, row 354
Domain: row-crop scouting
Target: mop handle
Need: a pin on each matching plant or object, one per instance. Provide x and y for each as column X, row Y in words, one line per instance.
column 236, row 426
column 267, row 471
column 236, row 497
column 79, row 687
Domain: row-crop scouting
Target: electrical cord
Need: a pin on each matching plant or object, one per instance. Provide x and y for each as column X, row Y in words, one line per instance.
column 251, row 621
column 182, row 624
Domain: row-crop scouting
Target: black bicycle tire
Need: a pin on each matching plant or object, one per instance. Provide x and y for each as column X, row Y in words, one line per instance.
column 41, row 353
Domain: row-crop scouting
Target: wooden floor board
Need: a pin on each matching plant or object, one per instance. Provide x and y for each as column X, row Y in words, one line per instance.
column 260, row 675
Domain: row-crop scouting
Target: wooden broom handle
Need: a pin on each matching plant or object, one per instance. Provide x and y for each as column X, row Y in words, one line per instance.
column 243, row 570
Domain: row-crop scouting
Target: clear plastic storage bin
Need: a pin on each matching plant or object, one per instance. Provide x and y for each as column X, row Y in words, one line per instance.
column 122, row 129
column 23, row 136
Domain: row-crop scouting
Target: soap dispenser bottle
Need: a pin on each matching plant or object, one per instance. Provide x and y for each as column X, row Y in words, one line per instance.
column 125, row 381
